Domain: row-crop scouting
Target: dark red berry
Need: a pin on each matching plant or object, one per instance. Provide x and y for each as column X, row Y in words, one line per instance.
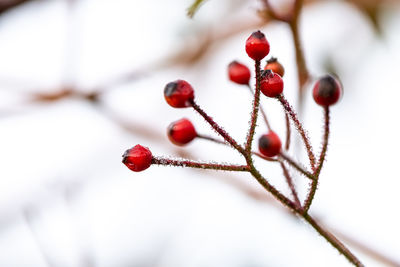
column 269, row 144
column 327, row 91
column 138, row 158
column 274, row 65
column 271, row 84
column 179, row 94
column 239, row 73
column 257, row 46
column 181, row 132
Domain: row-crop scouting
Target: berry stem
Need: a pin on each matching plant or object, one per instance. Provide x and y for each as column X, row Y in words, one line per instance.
column 292, row 163
column 299, row 211
column 333, row 241
column 292, row 19
column 324, row 142
column 270, row 188
column 314, row 183
column 198, row 165
column 289, row 110
column 212, row 139
column 261, row 110
column 290, row 183
column 218, row 129
column 254, row 113
column 288, row 132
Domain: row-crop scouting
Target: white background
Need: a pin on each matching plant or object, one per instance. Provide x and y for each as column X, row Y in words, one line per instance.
column 67, row 200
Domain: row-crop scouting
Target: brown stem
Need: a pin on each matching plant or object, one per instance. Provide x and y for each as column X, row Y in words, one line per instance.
column 333, row 240
column 289, row 110
column 299, row 211
column 314, row 184
column 254, row 113
column 212, row 139
column 198, row 165
column 294, row 164
column 267, row 186
column 324, row 142
column 287, row 142
column 218, row 129
column 290, row 183
column 261, row 110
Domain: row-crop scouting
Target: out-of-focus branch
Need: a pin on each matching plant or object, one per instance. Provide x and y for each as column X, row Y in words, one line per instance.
column 29, row 216
column 6, row 5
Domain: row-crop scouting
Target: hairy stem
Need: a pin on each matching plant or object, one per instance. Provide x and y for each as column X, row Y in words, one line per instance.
column 290, row 183
column 294, row 164
column 333, row 240
column 198, row 165
column 289, row 110
column 218, row 129
column 212, row 139
column 287, row 142
column 270, row 188
column 261, row 110
column 324, row 142
column 254, row 113
column 314, row 183
column 339, row 246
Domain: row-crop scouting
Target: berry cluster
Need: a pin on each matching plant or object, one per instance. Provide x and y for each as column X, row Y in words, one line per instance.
column 268, row 81
column 180, row 94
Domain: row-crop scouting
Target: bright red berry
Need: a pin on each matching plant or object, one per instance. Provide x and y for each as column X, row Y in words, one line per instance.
column 138, row 158
column 271, row 84
column 181, row 132
column 327, row 91
column 179, row 94
column 257, row 46
column 274, row 65
column 269, row 144
column 239, row 73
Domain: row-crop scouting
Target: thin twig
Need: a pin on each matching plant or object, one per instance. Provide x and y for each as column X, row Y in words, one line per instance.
column 333, row 240
column 287, row 142
column 296, row 165
column 218, row 129
column 212, row 139
column 261, row 110
column 254, row 113
column 198, row 165
column 290, row 183
column 314, row 184
column 289, row 110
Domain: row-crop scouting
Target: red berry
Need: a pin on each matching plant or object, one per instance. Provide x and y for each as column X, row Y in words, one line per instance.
column 271, row 84
column 274, row 65
column 181, row 132
column 257, row 46
column 179, row 94
column 238, row 73
column 269, row 144
column 138, row 158
column 327, row 91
